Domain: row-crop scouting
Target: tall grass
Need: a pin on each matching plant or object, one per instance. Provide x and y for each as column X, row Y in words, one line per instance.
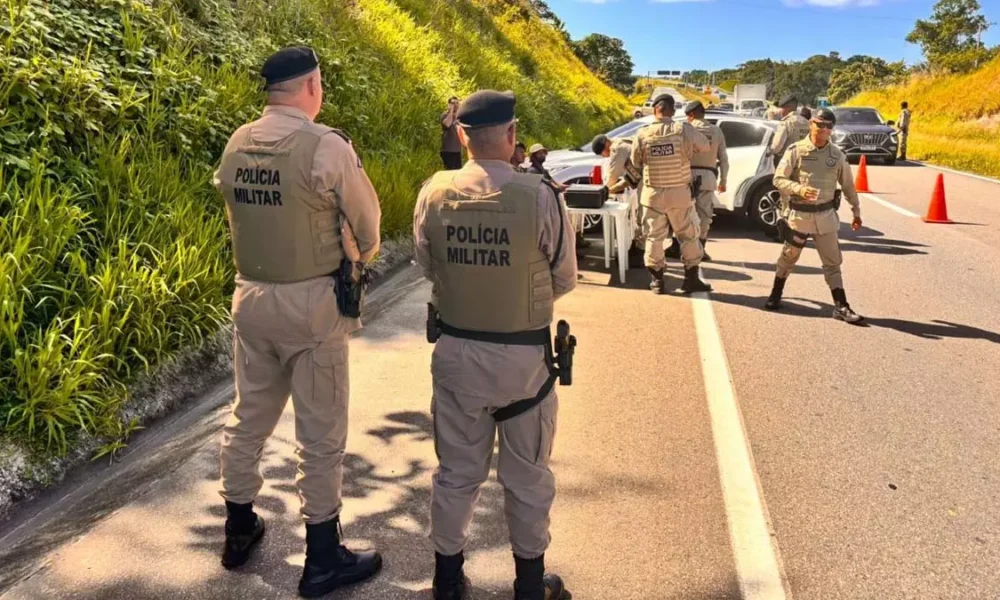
column 114, row 251
column 956, row 118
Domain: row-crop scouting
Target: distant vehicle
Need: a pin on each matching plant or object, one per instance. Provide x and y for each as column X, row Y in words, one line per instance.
column 861, row 131
column 748, row 96
column 750, row 190
column 644, row 110
column 726, row 106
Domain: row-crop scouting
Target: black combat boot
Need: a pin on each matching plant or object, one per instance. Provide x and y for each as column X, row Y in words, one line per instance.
column 330, row 565
column 774, row 300
column 842, row 311
column 533, row 584
column 636, row 257
column 674, row 251
column 705, row 257
column 244, row 528
column 656, row 280
column 449, row 577
column 692, row 282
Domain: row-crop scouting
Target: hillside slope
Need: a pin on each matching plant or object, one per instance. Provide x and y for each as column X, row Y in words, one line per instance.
column 114, row 251
column 956, row 118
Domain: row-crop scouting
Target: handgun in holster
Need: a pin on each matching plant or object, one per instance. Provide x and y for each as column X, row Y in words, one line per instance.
column 350, row 282
column 632, row 175
column 837, row 197
column 565, row 347
column 433, row 325
column 696, row 187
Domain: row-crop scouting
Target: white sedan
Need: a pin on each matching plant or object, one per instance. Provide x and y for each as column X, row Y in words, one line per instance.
column 749, row 189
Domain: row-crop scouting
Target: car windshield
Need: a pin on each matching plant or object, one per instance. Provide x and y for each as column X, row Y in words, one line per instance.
column 858, row 116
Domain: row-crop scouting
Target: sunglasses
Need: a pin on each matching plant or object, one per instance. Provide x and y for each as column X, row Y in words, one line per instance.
column 823, row 124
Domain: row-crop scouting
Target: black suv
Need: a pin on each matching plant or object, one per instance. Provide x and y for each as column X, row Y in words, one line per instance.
column 863, row 131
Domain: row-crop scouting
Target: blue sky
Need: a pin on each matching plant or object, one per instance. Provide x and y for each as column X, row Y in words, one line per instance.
column 716, row 34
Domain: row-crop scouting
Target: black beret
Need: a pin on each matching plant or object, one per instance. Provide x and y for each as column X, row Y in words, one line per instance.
column 485, row 108
column 599, row 144
column 788, row 99
column 288, row 63
column 824, row 114
column 693, row 106
column 666, row 99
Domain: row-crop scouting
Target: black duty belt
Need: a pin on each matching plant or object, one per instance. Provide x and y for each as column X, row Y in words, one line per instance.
column 534, row 337
column 714, row 170
column 810, row 207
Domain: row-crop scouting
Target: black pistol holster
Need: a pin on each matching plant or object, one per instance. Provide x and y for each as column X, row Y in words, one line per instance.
column 350, row 282
column 559, row 362
column 837, row 197
column 696, row 187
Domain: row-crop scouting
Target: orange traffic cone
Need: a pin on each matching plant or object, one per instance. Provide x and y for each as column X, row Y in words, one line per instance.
column 937, row 211
column 861, row 182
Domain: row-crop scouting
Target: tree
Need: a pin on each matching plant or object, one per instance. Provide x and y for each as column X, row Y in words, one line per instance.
column 952, row 39
column 607, row 58
column 862, row 73
column 697, row 76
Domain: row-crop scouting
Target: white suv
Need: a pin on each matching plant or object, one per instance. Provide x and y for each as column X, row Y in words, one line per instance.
column 749, row 189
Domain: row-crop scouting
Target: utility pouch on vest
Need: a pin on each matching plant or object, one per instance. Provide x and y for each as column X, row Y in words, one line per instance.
column 350, row 282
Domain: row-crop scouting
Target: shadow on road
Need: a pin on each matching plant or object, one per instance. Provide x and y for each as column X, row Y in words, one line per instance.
column 935, row 330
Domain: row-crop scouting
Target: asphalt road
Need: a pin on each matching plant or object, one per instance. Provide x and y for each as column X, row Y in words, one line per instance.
column 873, row 448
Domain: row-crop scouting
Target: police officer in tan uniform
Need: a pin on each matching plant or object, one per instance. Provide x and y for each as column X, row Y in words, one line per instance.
column 711, row 168
column 793, row 127
column 904, row 128
column 662, row 152
column 808, row 174
column 499, row 249
column 292, row 188
column 618, row 177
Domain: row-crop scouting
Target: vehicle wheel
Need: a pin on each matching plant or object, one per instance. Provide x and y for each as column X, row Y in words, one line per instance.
column 638, row 114
column 890, row 160
column 765, row 202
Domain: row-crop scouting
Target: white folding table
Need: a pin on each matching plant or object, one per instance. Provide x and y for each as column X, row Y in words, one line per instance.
column 617, row 220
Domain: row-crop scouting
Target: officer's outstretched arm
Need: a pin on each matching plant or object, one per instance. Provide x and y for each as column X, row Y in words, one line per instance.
column 780, row 136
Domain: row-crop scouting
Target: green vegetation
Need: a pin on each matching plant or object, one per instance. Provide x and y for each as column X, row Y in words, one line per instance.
column 956, row 118
column 114, row 252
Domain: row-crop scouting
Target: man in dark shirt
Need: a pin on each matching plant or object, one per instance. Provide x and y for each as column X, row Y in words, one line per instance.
column 517, row 158
column 451, row 148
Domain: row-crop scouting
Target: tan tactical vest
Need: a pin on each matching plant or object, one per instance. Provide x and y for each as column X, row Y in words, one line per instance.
column 708, row 159
column 797, row 127
column 818, row 168
column 488, row 272
column 283, row 230
column 667, row 165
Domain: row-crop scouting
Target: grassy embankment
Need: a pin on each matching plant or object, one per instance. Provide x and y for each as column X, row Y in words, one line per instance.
column 114, row 254
column 956, row 118
column 689, row 93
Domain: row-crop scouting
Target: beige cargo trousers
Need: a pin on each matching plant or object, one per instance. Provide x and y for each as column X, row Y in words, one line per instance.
column 464, row 435
column 289, row 338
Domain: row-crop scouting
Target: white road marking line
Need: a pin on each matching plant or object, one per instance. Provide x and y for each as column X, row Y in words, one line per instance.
column 889, row 205
column 962, row 173
column 757, row 561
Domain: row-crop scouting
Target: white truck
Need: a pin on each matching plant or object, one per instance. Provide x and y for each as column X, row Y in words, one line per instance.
column 748, row 96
